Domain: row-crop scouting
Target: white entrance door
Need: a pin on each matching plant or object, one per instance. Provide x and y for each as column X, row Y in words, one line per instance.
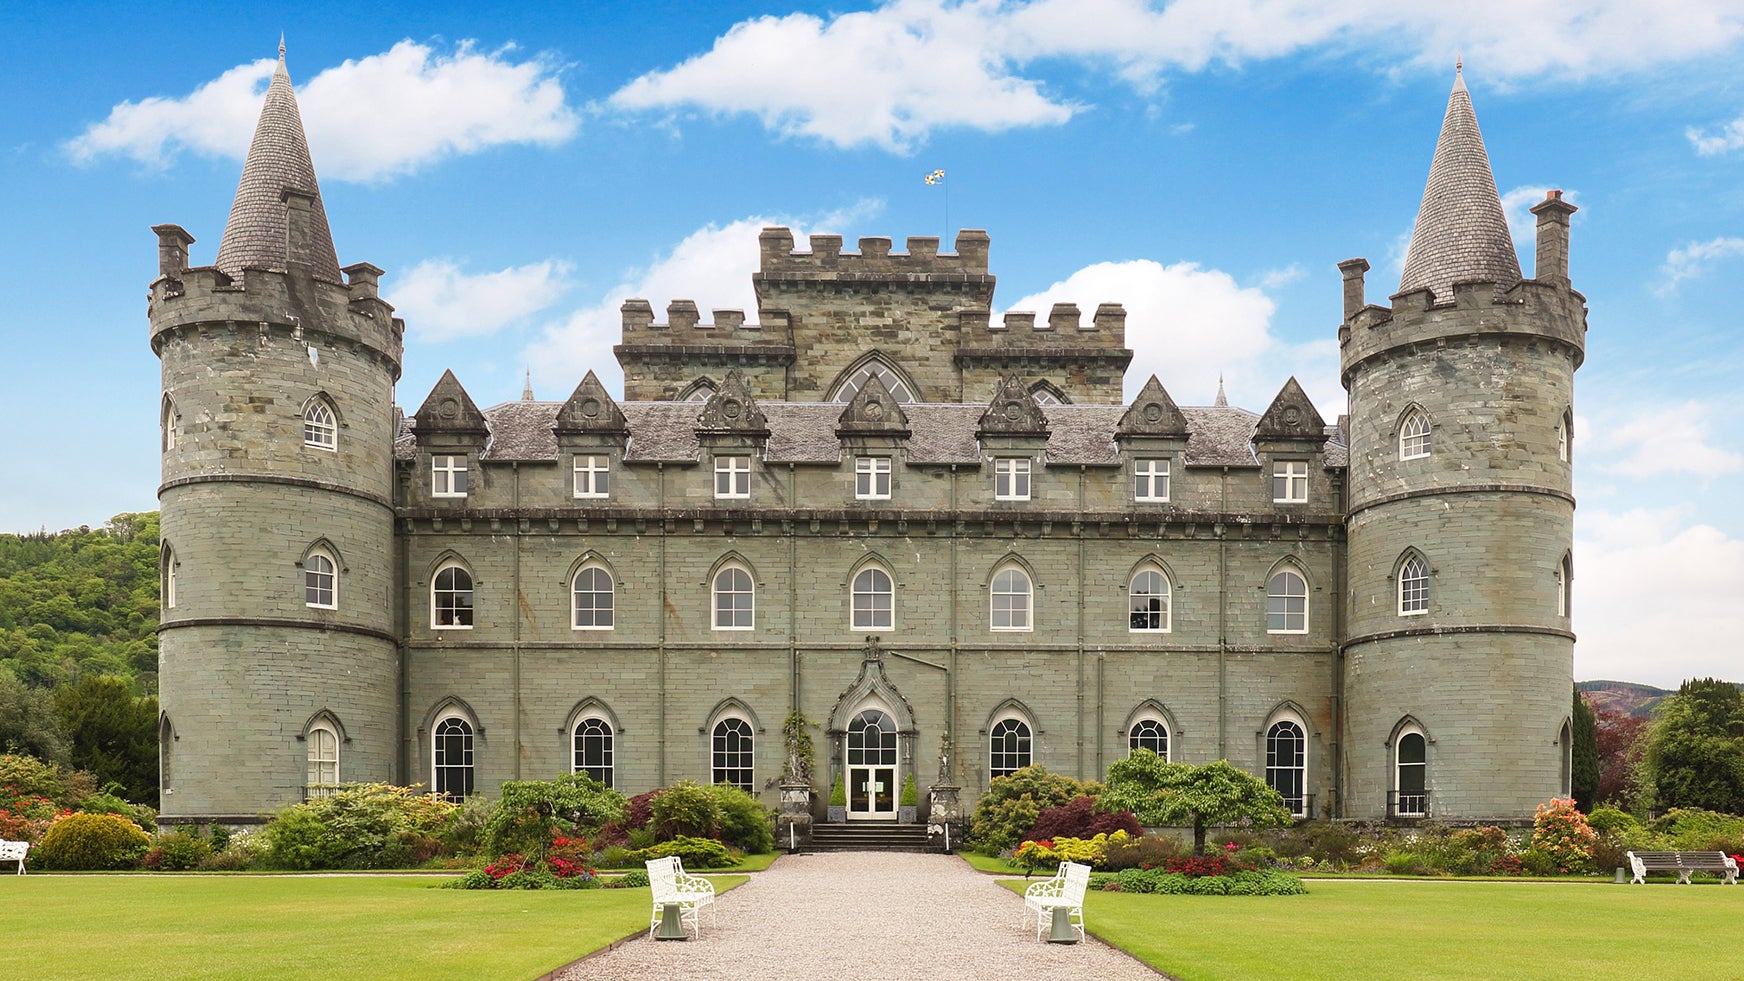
column 872, row 767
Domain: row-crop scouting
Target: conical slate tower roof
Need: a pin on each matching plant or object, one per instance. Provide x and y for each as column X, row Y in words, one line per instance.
column 1461, row 234
column 278, row 158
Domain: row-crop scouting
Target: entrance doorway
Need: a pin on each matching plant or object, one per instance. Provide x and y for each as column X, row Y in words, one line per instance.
column 872, row 767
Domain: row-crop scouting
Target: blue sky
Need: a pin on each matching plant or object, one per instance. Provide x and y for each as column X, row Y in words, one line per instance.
column 519, row 172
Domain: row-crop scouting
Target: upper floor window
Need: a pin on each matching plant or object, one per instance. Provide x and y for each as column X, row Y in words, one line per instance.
column 451, row 759
column 1151, row 734
column 320, row 428
column 592, row 747
column 1287, row 603
column 874, row 600
column 167, row 420
column 1148, row 602
column 1414, row 436
column 1011, row 479
column 593, row 476
column 451, row 597
column 894, row 382
column 320, row 581
column 734, row 599
column 1413, row 585
column 167, row 577
column 1290, row 481
column 733, row 755
column 448, row 476
column 593, row 599
column 1010, row 599
column 732, row 477
column 872, row 478
column 1150, row 480
column 1009, row 747
column 1565, row 437
column 323, row 745
column 1564, row 573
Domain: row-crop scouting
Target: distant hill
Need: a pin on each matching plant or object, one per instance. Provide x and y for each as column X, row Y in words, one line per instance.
column 1626, row 697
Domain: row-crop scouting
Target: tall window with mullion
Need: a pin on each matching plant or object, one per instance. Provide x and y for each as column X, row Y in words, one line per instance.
column 1009, row 747
column 1287, row 764
column 1011, row 478
column 320, row 427
column 323, row 761
column 592, row 476
column 320, row 581
column 593, row 749
column 593, row 599
column 733, row 753
column 872, row 478
column 734, row 599
column 451, row 597
column 447, row 475
column 451, row 759
column 1287, row 603
column 1148, row 602
column 1009, row 600
column 1150, row 481
column 874, row 600
column 1290, row 482
column 1413, row 585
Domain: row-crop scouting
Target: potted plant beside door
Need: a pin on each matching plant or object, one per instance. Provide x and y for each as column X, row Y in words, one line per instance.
column 910, row 802
column 838, row 812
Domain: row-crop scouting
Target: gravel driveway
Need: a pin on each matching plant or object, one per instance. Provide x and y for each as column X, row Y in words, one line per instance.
column 863, row 915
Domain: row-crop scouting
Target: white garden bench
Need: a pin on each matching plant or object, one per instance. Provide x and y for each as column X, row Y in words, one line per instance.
column 672, row 887
column 14, row 851
column 1683, row 863
column 1064, row 891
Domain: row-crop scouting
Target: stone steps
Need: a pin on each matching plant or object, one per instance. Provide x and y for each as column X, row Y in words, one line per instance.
column 869, row 837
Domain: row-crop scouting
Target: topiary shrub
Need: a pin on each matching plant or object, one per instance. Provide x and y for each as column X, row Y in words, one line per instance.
column 1608, row 820
column 1080, row 819
column 745, row 823
column 1013, row 803
column 91, row 842
column 686, row 810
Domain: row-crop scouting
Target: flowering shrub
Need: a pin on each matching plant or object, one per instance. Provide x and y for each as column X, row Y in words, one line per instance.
column 1080, row 819
column 1049, row 853
column 1013, row 803
column 1206, row 866
column 563, row 867
column 1240, row 883
column 26, row 817
column 1561, row 832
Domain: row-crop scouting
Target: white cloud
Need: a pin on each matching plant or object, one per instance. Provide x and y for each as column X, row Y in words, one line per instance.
column 1271, row 279
column 891, row 75
column 367, row 119
column 1730, row 137
column 1693, row 259
column 1661, row 442
column 440, row 302
column 1655, row 599
column 1517, row 206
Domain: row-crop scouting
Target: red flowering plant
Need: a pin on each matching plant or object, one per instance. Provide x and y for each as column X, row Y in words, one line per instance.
column 1561, row 831
column 1198, row 867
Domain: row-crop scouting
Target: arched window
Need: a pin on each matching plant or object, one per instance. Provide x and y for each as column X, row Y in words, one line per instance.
column 167, row 576
column 1411, row 773
column 593, row 599
column 1047, row 393
column 1565, row 437
column 874, row 367
column 451, row 598
column 874, row 600
column 1010, row 599
column 734, row 599
column 320, row 426
column 1287, row 603
column 733, row 753
column 1287, row 764
column 1151, row 734
column 451, row 759
column 1009, row 747
column 1414, row 435
column 1413, row 585
column 323, row 745
column 320, row 580
column 1565, row 753
column 593, row 749
column 700, row 390
column 1564, row 586
column 167, row 421
column 1148, row 603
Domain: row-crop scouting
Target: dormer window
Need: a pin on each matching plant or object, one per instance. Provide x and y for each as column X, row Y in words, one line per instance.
column 448, row 476
column 1150, row 481
column 872, row 478
column 592, row 476
column 1290, row 482
column 732, row 477
column 1011, row 479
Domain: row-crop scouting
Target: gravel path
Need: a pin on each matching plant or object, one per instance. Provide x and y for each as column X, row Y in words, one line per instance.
column 863, row 915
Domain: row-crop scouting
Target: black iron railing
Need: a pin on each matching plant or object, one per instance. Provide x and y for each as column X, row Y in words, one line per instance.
column 1408, row 804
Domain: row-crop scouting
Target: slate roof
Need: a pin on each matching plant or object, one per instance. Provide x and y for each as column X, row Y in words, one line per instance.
column 1461, row 234
column 805, row 432
column 278, row 158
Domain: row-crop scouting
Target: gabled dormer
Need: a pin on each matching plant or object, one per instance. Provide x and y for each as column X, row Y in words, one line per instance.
column 590, row 415
column 1289, row 441
column 452, row 434
column 873, row 417
column 1014, row 437
column 1014, row 412
column 731, row 415
column 1152, row 435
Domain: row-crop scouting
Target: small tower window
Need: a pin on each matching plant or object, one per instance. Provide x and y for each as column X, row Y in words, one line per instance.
column 167, row 420
column 320, row 581
column 167, row 577
column 1565, row 437
column 1414, row 436
column 320, row 426
column 1413, row 585
column 1564, row 575
column 323, row 745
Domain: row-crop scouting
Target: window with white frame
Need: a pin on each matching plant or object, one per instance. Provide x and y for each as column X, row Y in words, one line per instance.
column 1564, row 575
column 1287, row 764
column 320, row 581
column 451, row 759
column 448, row 475
column 1565, row 437
column 732, row 753
column 593, row 745
column 1010, row 594
column 451, row 598
column 1414, row 436
column 874, row 600
column 1411, row 773
column 872, row 478
column 732, row 477
column 320, row 427
column 592, row 475
column 592, row 599
column 167, row 420
column 1148, row 602
column 1151, row 734
column 1150, row 481
column 1011, row 478
column 167, row 577
column 1287, row 603
column 323, row 746
column 874, row 368
column 734, row 599
column 1413, row 585
column 1009, row 747
column 1290, row 482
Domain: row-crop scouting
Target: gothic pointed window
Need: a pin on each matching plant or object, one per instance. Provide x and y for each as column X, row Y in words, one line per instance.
column 451, row 773
column 1148, row 603
column 593, row 749
column 320, row 426
column 451, row 598
column 167, row 421
column 733, row 753
column 1411, row 773
column 320, row 580
column 894, row 381
column 1287, row 603
column 1414, row 436
column 874, row 600
column 167, row 577
column 735, row 599
column 1149, row 733
column 1009, row 599
column 1009, row 747
column 1287, row 763
column 1413, row 585
column 323, row 750
column 593, row 595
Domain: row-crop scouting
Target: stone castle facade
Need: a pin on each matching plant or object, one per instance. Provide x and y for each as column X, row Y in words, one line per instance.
column 942, row 537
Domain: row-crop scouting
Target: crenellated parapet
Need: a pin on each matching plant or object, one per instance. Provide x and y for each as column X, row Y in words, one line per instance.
column 1529, row 310
column 922, row 262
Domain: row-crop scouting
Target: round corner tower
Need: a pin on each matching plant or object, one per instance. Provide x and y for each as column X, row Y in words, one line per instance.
column 1458, row 660
column 278, row 659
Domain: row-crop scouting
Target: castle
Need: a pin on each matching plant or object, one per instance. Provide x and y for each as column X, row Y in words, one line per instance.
column 942, row 537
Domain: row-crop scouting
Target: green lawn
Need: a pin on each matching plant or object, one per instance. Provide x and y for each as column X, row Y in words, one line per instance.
column 1403, row 929
column 296, row 927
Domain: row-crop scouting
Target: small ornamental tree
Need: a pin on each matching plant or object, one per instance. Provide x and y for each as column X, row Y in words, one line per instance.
column 534, row 812
column 1561, row 831
column 1161, row 793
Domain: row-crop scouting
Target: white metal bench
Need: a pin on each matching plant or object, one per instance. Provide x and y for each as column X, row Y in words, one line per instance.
column 14, row 851
column 1064, row 891
column 672, row 886
column 1683, row 863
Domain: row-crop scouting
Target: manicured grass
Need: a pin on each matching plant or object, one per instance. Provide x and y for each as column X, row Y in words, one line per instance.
column 1399, row 929
column 993, row 863
column 267, row 928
